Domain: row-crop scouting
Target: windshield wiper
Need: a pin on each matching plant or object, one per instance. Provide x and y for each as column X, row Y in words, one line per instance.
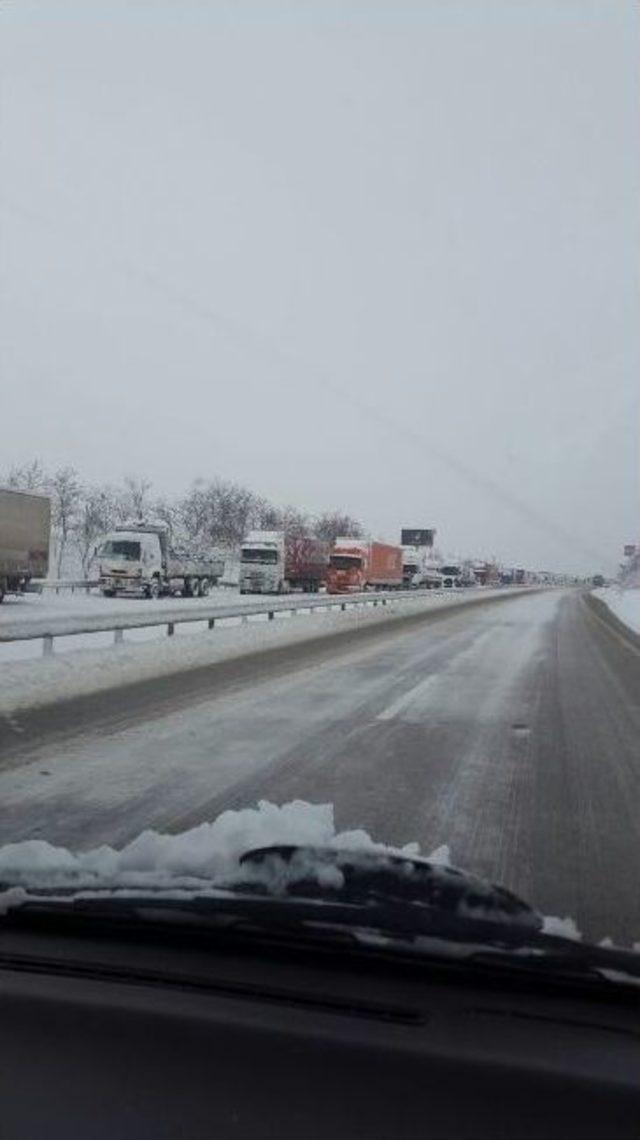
column 366, row 901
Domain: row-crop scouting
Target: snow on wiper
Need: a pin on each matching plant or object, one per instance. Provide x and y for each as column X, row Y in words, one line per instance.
column 288, row 866
column 408, row 892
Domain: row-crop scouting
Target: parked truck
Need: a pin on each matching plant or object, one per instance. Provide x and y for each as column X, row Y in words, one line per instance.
column 356, row 565
column 419, row 570
column 274, row 563
column 137, row 559
column 25, row 529
column 451, row 574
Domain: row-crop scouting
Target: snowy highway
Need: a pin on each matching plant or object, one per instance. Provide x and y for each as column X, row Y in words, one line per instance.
column 484, row 728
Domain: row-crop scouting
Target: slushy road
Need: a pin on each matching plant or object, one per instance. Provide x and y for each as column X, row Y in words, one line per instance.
column 509, row 731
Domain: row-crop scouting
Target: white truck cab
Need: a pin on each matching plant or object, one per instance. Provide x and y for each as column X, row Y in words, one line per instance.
column 262, row 563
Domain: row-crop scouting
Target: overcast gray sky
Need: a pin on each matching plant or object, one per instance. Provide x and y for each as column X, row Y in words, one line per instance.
column 376, row 256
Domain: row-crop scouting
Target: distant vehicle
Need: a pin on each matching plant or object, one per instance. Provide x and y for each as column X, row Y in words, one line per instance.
column 136, row 558
column 418, row 569
column 485, row 573
column 25, row 529
column 273, row 563
column 597, row 580
column 357, row 564
column 451, row 576
column 429, row 578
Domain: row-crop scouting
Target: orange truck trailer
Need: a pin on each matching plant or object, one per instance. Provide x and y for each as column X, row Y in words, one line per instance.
column 356, row 565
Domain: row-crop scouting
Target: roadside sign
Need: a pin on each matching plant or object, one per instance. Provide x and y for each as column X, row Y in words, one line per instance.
column 417, row 537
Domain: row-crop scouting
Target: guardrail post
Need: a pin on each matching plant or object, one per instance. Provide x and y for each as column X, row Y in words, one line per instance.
column 211, row 623
column 118, row 636
column 270, row 615
column 343, row 605
column 47, row 645
column 170, row 629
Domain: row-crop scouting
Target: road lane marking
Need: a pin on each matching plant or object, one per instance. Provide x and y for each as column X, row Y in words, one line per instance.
column 401, row 703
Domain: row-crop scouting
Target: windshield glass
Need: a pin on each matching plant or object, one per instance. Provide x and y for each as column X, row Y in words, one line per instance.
column 345, row 562
column 300, row 299
column 267, row 557
column 121, row 548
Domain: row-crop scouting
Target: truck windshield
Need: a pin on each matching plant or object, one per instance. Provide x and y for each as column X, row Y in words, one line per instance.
column 270, row 557
column 345, row 562
column 122, row 548
column 450, row 571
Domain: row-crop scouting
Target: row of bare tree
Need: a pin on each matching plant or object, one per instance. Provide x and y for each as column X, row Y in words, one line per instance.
column 213, row 514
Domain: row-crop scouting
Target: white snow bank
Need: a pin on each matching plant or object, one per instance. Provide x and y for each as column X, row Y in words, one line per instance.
column 26, row 684
column 625, row 604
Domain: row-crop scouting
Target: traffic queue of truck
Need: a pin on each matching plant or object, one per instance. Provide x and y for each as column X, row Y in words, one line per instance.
column 273, row 562
column 137, row 558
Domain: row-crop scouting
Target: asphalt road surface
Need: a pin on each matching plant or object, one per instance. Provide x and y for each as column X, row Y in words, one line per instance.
column 509, row 731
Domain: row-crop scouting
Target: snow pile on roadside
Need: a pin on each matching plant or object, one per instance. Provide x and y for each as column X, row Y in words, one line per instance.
column 624, row 603
column 208, row 854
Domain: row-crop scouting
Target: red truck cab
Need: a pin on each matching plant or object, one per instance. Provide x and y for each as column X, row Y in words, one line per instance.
column 356, row 566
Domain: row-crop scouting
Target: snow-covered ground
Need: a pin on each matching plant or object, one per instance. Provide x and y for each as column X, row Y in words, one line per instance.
column 20, row 615
column 26, row 683
column 624, row 603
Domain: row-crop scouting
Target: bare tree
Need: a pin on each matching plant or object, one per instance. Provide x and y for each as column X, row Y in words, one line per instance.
column 65, row 490
column 136, row 495
column 97, row 514
column 218, row 513
column 294, row 523
column 332, row 525
column 265, row 516
column 214, row 513
column 27, row 477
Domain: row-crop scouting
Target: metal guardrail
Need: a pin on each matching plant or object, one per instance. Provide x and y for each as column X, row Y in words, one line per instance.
column 37, row 585
column 50, row 629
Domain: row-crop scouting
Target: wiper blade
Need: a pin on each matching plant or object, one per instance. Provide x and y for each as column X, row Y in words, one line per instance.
column 369, row 901
column 410, row 895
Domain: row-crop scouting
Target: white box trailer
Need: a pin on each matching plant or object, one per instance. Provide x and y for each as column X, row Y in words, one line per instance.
column 25, row 531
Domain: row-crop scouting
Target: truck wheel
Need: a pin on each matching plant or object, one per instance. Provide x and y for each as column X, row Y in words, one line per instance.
column 205, row 586
column 191, row 588
column 153, row 589
column 108, row 593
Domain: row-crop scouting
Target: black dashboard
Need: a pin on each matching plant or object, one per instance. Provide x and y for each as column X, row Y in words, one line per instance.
column 106, row 1037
